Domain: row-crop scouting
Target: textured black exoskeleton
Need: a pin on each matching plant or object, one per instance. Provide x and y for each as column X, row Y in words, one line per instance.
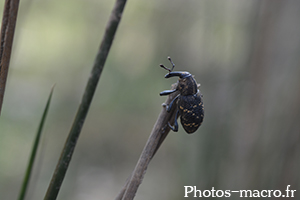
column 189, row 100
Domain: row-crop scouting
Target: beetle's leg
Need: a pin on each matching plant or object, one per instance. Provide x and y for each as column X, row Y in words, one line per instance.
column 175, row 128
column 167, row 92
column 169, row 107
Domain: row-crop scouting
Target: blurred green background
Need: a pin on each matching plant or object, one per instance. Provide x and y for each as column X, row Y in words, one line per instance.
column 245, row 54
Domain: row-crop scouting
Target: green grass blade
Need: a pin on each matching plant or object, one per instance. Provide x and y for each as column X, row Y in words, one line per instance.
column 34, row 150
column 68, row 149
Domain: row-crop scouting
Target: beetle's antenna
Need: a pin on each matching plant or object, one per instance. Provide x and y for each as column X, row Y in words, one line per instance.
column 162, row 66
column 173, row 65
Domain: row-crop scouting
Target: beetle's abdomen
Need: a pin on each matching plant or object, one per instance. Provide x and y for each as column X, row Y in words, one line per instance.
column 191, row 111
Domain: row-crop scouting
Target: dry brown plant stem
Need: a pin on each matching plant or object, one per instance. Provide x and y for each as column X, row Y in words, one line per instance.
column 9, row 20
column 157, row 136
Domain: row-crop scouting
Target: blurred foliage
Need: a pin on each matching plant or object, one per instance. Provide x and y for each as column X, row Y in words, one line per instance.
column 244, row 53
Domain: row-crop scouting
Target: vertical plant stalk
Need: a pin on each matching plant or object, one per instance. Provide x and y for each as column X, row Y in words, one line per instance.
column 34, row 150
column 71, row 141
column 9, row 20
column 157, row 136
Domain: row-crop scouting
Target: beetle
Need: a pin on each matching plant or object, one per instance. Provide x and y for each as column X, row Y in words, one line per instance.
column 189, row 101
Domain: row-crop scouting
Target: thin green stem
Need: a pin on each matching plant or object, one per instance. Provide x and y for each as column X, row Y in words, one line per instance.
column 70, row 143
column 34, row 150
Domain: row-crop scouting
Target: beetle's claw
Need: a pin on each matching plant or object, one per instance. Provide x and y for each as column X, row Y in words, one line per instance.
column 163, row 130
column 166, row 106
column 175, row 128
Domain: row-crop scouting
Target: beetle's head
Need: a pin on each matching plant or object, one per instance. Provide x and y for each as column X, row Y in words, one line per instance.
column 187, row 85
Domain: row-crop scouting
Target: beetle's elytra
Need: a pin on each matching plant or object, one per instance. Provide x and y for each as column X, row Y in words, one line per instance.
column 189, row 100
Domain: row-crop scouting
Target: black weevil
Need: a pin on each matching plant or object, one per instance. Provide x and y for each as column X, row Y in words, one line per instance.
column 189, row 100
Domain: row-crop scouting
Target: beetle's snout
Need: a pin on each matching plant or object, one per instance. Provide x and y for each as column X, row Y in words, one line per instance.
column 180, row 74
